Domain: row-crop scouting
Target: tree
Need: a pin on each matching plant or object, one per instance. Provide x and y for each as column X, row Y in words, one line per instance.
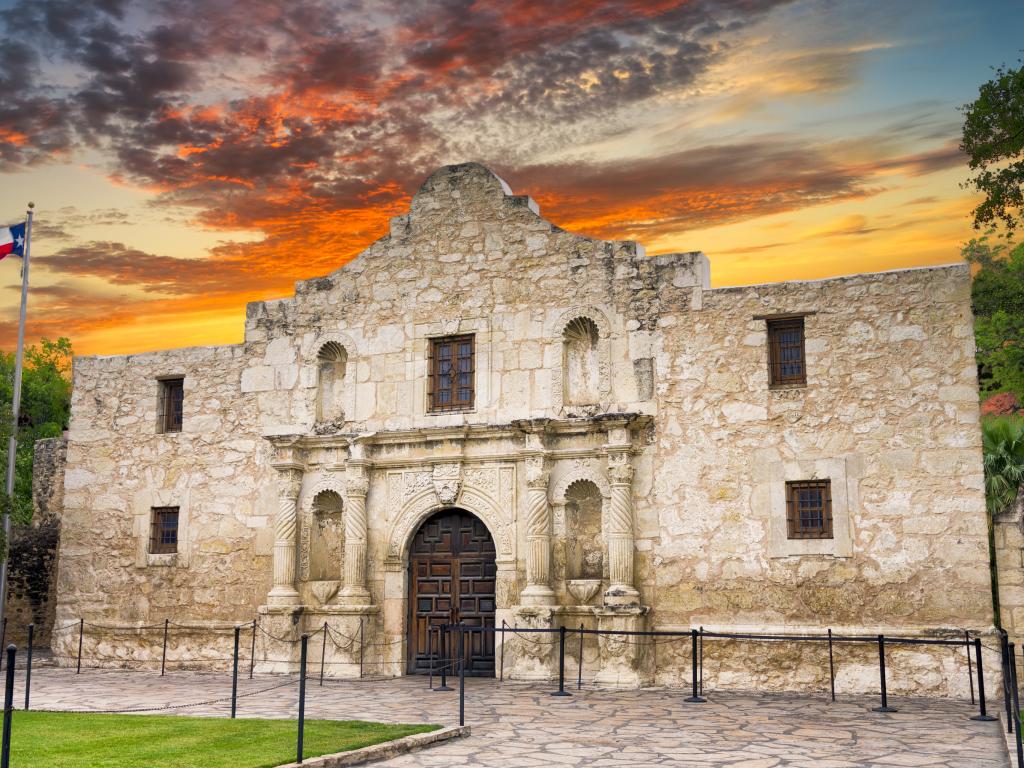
column 993, row 140
column 997, row 296
column 45, row 407
column 1003, row 444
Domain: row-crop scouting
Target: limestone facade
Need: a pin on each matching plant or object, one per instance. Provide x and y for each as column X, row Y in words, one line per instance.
column 624, row 449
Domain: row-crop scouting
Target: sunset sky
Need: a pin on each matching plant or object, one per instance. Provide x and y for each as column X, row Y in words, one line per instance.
column 188, row 156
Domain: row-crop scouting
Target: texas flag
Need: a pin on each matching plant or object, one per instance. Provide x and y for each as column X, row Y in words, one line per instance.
column 12, row 240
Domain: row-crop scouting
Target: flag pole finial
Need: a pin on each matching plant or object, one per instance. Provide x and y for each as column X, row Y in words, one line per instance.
column 31, row 204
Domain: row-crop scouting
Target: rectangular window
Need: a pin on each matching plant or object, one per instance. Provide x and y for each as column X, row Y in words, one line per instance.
column 171, row 402
column 163, row 531
column 786, row 352
column 809, row 509
column 452, row 373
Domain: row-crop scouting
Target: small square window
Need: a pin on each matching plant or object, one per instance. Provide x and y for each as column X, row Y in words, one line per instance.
column 452, row 373
column 170, row 404
column 809, row 509
column 163, row 531
column 786, row 361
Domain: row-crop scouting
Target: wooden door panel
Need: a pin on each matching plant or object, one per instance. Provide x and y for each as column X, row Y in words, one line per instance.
column 452, row 578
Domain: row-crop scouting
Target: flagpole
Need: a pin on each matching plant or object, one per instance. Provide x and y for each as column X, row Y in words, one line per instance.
column 12, row 443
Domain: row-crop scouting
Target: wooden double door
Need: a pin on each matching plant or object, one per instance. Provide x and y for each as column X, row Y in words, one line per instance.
column 452, row 574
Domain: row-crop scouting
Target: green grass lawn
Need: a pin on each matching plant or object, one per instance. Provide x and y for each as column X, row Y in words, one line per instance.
column 69, row 740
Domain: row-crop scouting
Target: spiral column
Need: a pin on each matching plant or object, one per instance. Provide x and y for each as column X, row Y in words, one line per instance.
column 283, row 592
column 620, row 531
column 355, row 591
column 538, row 535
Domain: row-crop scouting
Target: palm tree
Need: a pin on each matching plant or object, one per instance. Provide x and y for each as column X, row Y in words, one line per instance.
column 1003, row 444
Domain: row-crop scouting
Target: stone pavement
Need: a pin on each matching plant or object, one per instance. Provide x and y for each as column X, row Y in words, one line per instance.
column 516, row 724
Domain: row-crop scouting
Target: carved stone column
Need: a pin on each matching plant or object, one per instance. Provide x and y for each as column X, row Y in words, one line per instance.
column 289, row 480
column 357, row 484
column 538, row 535
column 620, row 530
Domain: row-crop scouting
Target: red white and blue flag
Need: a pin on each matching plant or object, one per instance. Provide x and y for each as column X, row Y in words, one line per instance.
column 12, row 240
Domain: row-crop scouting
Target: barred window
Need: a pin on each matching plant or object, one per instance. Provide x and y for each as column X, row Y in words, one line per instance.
column 163, row 531
column 170, row 405
column 809, row 509
column 786, row 352
column 452, row 373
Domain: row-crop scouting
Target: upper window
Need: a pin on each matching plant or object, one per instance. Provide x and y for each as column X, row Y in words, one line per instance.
column 452, row 373
column 163, row 531
column 172, row 398
column 786, row 361
column 809, row 509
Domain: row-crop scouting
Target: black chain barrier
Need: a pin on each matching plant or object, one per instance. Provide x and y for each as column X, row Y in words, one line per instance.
column 447, row 658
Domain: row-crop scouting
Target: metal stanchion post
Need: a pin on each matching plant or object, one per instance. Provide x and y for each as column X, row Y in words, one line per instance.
column 561, row 664
column 462, row 676
column 982, row 714
column 831, row 667
column 1004, row 653
column 700, row 672
column 881, row 672
column 445, row 642
column 430, row 657
column 234, row 674
column 252, row 653
column 163, row 654
column 302, row 694
column 323, row 655
column 5, row 746
column 579, row 669
column 970, row 672
column 3, row 637
column 1016, row 706
column 81, row 632
column 693, row 698
column 28, row 664
column 501, row 676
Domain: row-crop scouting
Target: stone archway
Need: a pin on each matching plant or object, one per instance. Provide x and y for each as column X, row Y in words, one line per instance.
column 452, row 580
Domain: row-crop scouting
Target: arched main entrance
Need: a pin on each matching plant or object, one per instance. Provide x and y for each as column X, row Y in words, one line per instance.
column 452, row 574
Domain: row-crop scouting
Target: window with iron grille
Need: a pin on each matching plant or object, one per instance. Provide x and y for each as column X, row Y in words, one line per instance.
column 452, row 373
column 786, row 363
column 809, row 509
column 171, row 402
column 163, row 531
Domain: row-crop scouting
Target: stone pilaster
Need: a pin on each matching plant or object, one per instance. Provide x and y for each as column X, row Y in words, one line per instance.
column 621, row 591
column 538, row 535
column 357, row 485
column 289, row 481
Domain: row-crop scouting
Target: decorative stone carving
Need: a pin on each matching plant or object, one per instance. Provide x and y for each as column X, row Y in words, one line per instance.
column 585, row 372
column 447, row 480
column 583, row 590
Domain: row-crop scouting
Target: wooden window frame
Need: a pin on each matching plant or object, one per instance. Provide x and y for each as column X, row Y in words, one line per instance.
column 158, row 544
column 434, row 389
column 796, row 524
column 171, row 419
column 777, row 379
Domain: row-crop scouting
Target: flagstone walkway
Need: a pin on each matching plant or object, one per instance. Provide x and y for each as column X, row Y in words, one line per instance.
column 521, row 725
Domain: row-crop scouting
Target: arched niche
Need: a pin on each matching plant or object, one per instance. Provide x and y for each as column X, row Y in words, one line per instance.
column 332, row 364
column 583, row 379
column 585, row 549
column 326, row 537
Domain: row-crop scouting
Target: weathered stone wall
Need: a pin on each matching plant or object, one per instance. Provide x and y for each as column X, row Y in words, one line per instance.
column 657, row 400
column 32, row 574
column 1008, row 540
column 119, row 466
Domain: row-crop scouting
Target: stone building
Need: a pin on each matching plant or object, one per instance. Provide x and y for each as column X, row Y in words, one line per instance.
column 484, row 418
